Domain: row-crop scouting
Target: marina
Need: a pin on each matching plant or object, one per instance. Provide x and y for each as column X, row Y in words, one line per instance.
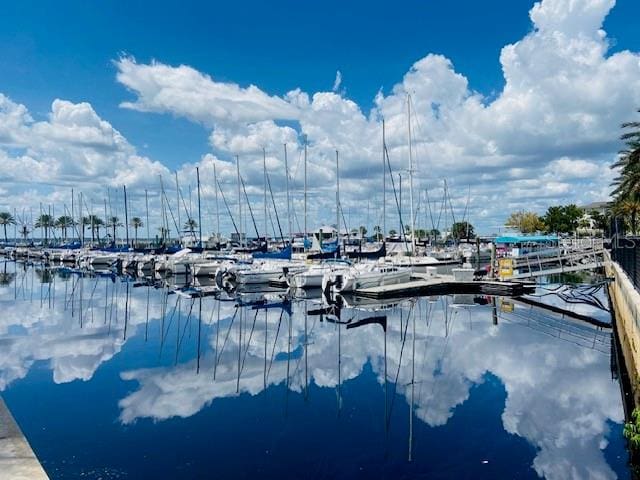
column 341, row 241
column 250, row 371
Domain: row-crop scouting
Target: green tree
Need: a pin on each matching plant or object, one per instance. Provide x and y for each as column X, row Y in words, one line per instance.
column 562, row 219
column 113, row 223
column 525, row 222
column 136, row 223
column 629, row 209
column 94, row 222
column 462, row 230
column 6, row 219
column 627, row 183
column 191, row 225
column 45, row 222
column 600, row 221
column 392, row 232
column 377, row 230
column 63, row 223
column 362, row 230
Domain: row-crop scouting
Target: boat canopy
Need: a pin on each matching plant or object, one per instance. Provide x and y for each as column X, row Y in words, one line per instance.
column 527, row 239
column 283, row 254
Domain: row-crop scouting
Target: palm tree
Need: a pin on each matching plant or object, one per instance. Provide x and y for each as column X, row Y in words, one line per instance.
column 627, row 183
column 94, row 223
column 629, row 209
column 45, row 221
column 136, row 223
column 377, row 231
column 6, row 219
column 191, row 225
column 113, row 223
column 63, row 223
column 24, row 231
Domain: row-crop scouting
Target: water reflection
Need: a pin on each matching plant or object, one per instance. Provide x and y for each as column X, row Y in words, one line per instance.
column 425, row 353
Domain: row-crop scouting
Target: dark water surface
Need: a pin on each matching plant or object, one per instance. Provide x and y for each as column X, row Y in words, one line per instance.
column 110, row 379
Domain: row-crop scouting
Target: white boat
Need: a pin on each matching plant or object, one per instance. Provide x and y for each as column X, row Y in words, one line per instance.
column 312, row 277
column 365, row 275
column 265, row 272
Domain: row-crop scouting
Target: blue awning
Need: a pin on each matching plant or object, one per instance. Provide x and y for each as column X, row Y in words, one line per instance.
column 527, row 239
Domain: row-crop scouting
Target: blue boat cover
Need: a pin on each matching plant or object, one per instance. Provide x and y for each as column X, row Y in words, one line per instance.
column 526, row 239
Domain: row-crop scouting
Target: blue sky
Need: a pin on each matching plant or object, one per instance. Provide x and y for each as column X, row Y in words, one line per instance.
column 50, row 51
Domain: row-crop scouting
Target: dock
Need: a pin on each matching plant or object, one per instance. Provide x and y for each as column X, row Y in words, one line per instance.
column 17, row 460
column 421, row 284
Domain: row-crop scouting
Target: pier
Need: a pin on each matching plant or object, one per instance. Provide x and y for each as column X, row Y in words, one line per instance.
column 573, row 256
column 17, row 460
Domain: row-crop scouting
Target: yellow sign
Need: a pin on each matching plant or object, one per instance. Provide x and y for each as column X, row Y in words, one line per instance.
column 506, row 307
column 505, row 267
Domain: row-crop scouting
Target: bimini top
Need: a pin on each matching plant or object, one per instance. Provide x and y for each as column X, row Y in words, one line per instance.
column 527, row 239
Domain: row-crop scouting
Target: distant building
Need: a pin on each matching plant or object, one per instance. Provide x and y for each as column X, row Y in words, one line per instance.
column 600, row 207
column 587, row 223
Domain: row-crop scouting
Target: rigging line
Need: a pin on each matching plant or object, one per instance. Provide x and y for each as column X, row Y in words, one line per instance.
column 275, row 341
column 395, row 382
column 189, row 217
column 395, row 194
column 168, row 205
column 186, row 323
column 274, row 206
column 444, row 197
column 224, row 343
column 246, row 350
column 163, row 335
column 224, row 199
column 253, row 219
column 433, row 226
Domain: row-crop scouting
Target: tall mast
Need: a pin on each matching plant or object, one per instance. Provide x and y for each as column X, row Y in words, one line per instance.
column 384, row 183
column 264, row 168
column 146, row 203
column 199, row 214
column 178, row 207
column 126, row 214
column 81, row 222
column 215, row 181
column 241, row 240
column 73, row 219
column 413, row 226
column 338, row 199
column 286, row 172
column 305, row 187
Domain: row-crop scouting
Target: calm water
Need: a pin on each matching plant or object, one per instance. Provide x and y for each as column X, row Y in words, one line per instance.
column 112, row 379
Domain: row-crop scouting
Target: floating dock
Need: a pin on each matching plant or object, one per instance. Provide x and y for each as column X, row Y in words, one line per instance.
column 422, row 284
column 17, row 460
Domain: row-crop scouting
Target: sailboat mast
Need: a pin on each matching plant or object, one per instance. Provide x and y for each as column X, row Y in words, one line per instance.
column 241, row 240
column 178, row 206
column 305, row 188
column 215, row 181
column 413, row 226
column 384, row 183
column 146, row 204
column 126, row 214
column 286, row 173
column 264, row 168
column 199, row 213
column 337, row 198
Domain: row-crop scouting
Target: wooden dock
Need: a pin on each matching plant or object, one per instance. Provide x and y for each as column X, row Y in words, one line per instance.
column 421, row 285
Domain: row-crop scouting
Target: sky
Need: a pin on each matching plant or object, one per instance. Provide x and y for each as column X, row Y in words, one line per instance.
column 517, row 105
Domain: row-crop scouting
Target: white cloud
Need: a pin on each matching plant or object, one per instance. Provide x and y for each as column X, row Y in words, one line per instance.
column 546, row 138
column 337, row 82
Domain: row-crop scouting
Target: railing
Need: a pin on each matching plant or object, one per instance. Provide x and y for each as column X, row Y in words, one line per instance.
column 626, row 252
